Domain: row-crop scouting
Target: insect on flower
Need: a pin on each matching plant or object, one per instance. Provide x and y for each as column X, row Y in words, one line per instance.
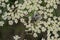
column 36, row 17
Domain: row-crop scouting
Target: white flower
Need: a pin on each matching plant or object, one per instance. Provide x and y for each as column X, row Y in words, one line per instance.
column 52, row 38
column 12, row 7
column 22, row 20
column 55, row 6
column 43, row 29
column 45, row 16
column 47, row 6
column 59, row 18
column 16, row 37
column 39, row 1
column 3, row 5
column 4, row 17
column 25, row 12
column 35, row 35
column 9, row 17
column 51, row 10
column 56, row 35
column 10, row 22
column 16, row 21
column 0, row 11
column 6, row 0
column 16, row 2
column 54, row 17
column 1, row 23
column 43, row 39
column 51, row 4
column 38, row 31
column 8, row 8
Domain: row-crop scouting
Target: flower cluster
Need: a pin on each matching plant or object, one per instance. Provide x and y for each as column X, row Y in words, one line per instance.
column 41, row 13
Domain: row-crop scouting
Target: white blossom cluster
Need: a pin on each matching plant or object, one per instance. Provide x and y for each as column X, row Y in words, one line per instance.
column 46, row 22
